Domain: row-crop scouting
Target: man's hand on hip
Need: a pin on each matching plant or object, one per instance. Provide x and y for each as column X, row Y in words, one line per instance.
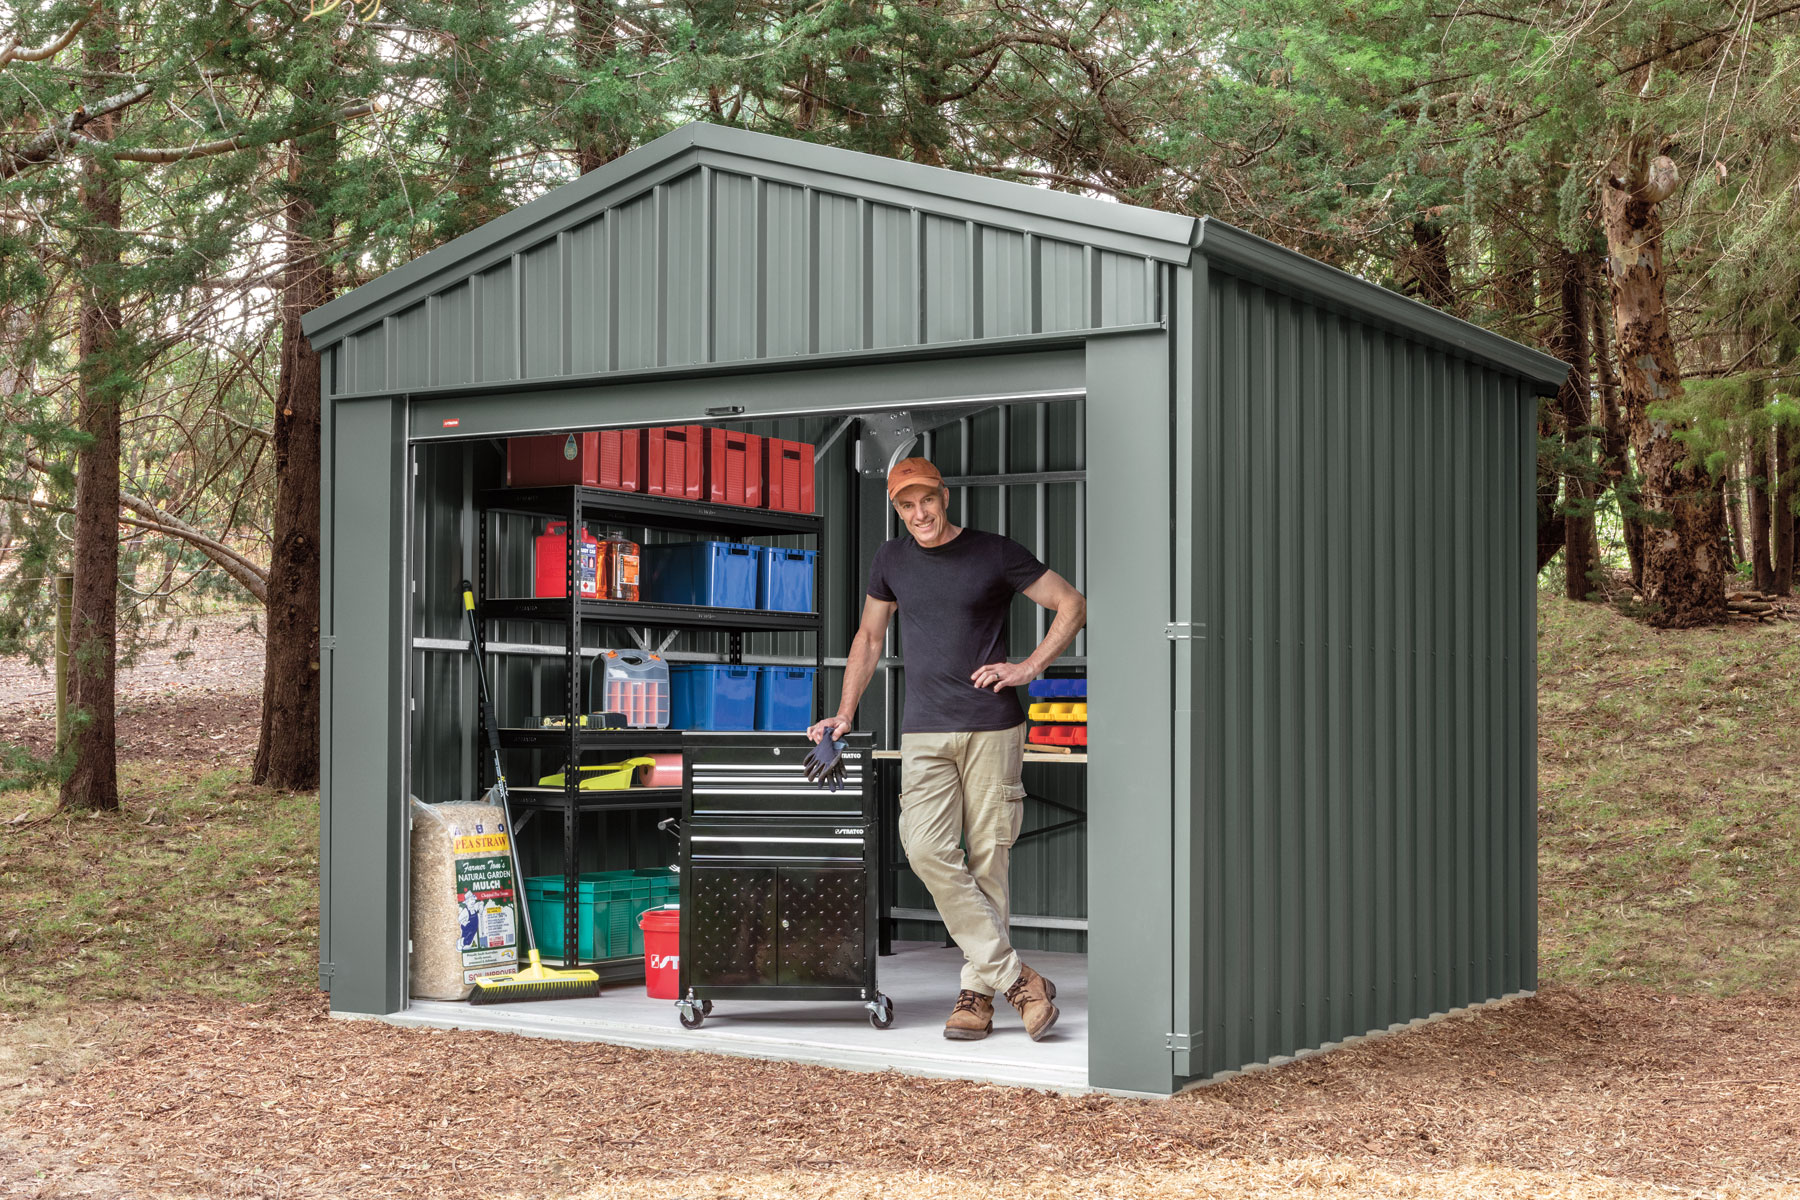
column 839, row 726
column 996, row 676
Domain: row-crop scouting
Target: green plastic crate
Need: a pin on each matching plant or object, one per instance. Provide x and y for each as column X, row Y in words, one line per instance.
column 609, row 906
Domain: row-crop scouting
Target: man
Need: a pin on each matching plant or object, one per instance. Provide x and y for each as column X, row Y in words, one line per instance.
column 963, row 737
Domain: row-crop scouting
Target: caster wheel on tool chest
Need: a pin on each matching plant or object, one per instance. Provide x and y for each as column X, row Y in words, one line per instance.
column 691, row 1018
column 706, row 1008
column 881, row 1013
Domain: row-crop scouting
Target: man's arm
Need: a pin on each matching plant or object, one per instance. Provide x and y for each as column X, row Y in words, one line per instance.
column 865, row 654
column 1058, row 595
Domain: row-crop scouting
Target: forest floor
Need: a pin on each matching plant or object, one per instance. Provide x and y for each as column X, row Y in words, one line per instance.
column 159, row 1034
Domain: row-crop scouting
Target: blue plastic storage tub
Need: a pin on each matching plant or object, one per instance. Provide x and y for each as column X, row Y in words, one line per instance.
column 717, row 574
column 713, row 696
column 1059, row 689
column 785, row 583
column 784, row 698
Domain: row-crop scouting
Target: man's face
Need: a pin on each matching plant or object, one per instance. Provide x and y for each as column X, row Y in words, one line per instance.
column 922, row 511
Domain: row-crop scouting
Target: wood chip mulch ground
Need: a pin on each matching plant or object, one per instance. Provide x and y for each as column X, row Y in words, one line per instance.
column 1581, row 1093
column 196, row 699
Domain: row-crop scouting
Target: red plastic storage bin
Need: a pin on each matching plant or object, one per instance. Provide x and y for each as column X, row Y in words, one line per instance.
column 662, row 952
column 550, row 562
column 674, row 458
column 611, row 459
column 734, row 468
column 788, row 475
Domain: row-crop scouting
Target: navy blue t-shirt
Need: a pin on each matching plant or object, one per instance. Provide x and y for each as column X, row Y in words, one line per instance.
column 953, row 603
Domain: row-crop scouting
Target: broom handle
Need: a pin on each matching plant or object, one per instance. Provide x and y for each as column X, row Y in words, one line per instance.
column 491, row 732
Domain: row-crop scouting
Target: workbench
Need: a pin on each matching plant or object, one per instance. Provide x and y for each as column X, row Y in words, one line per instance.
column 893, row 856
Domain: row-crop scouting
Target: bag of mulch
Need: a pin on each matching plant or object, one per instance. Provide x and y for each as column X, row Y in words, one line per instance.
column 464, row 913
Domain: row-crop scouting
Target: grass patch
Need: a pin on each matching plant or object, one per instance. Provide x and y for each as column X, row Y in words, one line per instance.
column 202, row 886
column 1669, row 802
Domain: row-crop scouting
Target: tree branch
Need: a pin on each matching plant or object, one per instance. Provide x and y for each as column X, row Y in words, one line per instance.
column 253, row 578
column 11, row 51
column 49, row 144
column 170, row 154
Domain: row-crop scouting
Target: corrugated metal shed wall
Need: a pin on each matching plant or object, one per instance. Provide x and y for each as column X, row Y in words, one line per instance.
column 1364, row 714
column 717, row 266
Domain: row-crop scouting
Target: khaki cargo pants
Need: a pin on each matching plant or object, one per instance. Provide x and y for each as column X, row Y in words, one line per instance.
column 958, row 788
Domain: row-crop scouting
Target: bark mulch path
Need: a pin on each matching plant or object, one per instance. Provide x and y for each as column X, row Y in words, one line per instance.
column 1601, row 1093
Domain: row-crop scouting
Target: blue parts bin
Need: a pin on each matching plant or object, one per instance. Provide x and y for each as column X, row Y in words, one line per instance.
column 713, row 696
column 785, row 583
column 784, row 698
column 716, row 574
column 1059, row 689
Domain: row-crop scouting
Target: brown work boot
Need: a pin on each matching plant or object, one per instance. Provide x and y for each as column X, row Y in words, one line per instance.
column 972, row 1019
column 1031, row 996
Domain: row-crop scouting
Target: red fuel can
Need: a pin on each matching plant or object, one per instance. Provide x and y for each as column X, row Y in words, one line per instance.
column 550, row 562
column 734, row 468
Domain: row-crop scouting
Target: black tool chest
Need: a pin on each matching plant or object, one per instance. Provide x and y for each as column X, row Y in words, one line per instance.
column 779, row 877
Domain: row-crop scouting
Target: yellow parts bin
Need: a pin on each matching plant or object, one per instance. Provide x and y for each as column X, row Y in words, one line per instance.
column 607, row 777
column 1059, row 710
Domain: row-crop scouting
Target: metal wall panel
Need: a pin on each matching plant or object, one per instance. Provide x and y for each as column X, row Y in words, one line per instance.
column 686, row 235
column 636, row 280
column 841, row 270
column 541, row 321
column 737, row 246
column 453, row 318
column 1005, row 284
column 951, row 279
column 1062, row 289
column 787, row 290
column 497, row 324
column 589, row 315
column 1358, row 844
column 893, row 279
column 411, row 330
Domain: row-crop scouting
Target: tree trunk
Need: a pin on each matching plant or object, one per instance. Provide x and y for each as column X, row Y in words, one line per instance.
column 1581, row 553
column 1552, row 527
column 1615, row 462
column 1786, row 523
column 1760, row 480
column 287, row 750
column 1431, row 266
column 93, row 783
column 1734, row 512
column 1683, row 563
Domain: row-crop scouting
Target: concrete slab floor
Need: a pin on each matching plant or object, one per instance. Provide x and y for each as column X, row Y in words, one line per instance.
column 919, row 977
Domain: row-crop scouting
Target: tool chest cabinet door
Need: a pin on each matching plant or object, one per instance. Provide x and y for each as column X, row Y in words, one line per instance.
column 823, row 927
column 735, row 938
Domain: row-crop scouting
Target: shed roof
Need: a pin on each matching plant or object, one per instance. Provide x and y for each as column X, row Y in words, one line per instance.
column 1126, row 229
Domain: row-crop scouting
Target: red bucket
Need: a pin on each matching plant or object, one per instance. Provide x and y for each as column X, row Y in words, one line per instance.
column 662, row 952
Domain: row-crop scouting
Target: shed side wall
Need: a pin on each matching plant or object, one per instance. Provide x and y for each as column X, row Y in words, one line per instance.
column 1364, row 712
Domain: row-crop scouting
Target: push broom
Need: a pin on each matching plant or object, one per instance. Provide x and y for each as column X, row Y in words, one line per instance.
column 536, row 982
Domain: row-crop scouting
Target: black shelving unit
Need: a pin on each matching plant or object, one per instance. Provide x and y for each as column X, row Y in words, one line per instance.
column 574, row 505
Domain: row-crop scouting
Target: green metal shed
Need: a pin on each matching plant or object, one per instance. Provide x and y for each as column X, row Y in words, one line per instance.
column 1301, row 507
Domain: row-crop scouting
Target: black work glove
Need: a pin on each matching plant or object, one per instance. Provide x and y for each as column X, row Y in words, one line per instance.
column 825, row 765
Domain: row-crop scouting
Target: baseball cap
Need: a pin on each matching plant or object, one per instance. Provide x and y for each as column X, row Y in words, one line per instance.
column 910, row 472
